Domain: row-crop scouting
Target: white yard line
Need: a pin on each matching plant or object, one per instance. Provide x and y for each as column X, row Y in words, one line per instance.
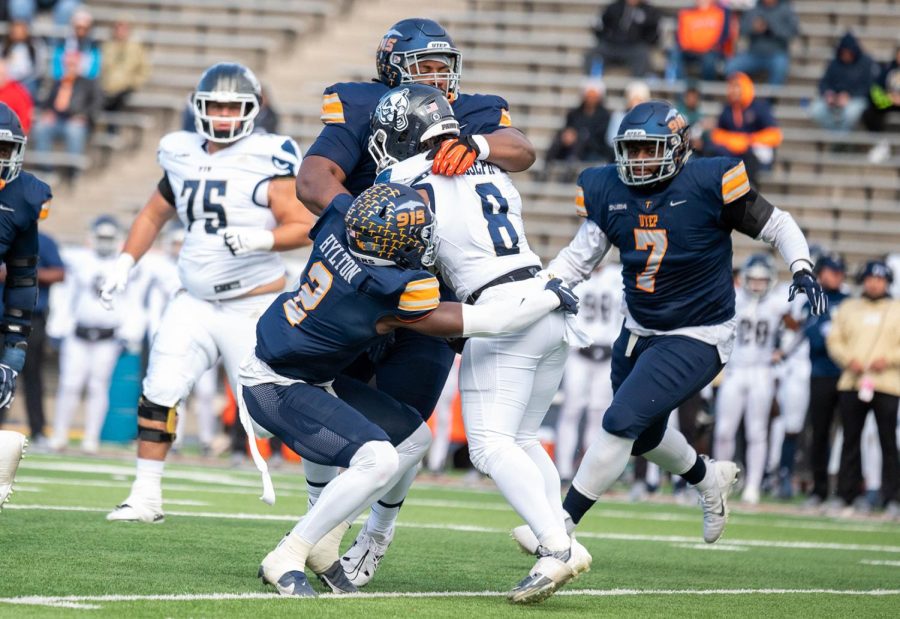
column 877, row 562
column 93, row 601
column 705, row 547
column 672, row 539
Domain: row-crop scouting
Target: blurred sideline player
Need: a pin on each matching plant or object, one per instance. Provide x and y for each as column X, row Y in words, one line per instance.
column 233, row 191
column 506, row 383
column 95, row 336
column 408, row 366
column 586, row 382
column 25, row 200
column 671, row 218
column 365, row 278
column 748, row 385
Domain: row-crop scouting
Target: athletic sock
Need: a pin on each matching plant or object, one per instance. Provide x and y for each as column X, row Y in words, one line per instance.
column 577, row 505
column 148, row 479
column 696, row 473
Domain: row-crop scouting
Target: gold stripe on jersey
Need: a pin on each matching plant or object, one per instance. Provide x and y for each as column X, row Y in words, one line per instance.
column 579, row 203
column 505, row 118
column 420, row 295
column 332, row 109
column 735, row 183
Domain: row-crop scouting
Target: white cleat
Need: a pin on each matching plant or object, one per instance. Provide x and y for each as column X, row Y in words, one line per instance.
column 551, row 572
column 363, row 557
column 12, row 449
column 750, row 496
column 135, row 510
column 721, row 475
column 528, row 541
column 580, row 559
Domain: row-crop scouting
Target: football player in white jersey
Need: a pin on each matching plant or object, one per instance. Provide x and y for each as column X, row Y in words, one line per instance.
column 587, row 385
column 94, row 335
column 233, row 190
column 748, row 386
column 506, row 383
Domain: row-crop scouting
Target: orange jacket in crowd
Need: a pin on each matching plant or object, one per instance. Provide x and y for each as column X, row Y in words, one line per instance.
column 707, row 29
column 745, row 121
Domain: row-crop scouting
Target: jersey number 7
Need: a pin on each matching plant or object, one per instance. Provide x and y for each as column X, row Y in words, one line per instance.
column 657, row 241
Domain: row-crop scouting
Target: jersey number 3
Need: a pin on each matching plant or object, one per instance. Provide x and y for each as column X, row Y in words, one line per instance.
column 495, row 208
column 657, row 241
column 317, row 284
column 213, row 212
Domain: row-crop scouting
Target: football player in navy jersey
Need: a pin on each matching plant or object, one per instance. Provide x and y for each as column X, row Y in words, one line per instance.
column 364, row 278
column 671, row 218
column 23, row 201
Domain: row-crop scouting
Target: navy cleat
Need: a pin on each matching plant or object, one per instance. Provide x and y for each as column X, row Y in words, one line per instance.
column 290, row 583
column 336, row 579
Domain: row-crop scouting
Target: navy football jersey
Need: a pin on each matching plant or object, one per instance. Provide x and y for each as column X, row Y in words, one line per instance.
column 314, row 332
column 347, row 111
column 675, row 248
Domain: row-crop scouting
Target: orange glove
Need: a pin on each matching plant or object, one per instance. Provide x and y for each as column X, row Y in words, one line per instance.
column 454, row 156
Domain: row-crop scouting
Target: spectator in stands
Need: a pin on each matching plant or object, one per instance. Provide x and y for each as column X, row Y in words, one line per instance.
column 865, row 341
column 688, row 104
column 635, row 92
column 16, row 96
column 746, row 127
column 769, row 27
column 824, row 374
column 884, row 97
column 267, row 119
column 705, row 34
column 25, row 10
column 26, row 56
column 125, row 66
column 844, row 89
column 626, row 33
column 81, row 41
column 583, row 138
column 69, row 109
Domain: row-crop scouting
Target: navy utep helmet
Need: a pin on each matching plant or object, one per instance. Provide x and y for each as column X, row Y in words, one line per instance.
column 226, row 82
column 758, row 275
column 662, row 128
column 829, row 260
column 410, row 41
column 390, row 225
column 13, row 140
column 876, row 268
column 409, row 120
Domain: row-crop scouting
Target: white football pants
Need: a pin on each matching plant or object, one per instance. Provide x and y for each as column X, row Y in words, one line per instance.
column 587, row 388
column 84, row 363
column 443, row 414
column 507, row 385
column 745, row 392
column 192, row 334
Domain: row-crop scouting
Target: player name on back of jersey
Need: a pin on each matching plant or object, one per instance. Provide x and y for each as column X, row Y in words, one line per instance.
column 480, row 168
column 342, row 262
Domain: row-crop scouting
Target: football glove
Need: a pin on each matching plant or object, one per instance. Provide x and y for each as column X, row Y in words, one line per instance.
column 116, row 280
column 246, row 241
column 568, row 300
column 805, row 281
column 454, row 156
column 11, row 363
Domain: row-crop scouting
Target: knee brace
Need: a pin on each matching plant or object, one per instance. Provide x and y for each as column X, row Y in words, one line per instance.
column 156, row 412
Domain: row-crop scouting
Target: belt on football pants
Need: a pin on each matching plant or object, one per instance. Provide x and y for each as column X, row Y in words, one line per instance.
column 94, row 334
column 513, row 276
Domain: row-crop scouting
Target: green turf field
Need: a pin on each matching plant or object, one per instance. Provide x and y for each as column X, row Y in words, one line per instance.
column 451, row 556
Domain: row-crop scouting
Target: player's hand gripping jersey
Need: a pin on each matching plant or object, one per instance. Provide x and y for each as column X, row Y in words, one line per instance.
column 312, row 333
column 347, row 111
column 224, row 189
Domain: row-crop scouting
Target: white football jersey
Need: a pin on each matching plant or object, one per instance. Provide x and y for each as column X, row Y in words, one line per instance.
column 758, row 324
column 600, row 307
column 478, row 227
column 226, row 189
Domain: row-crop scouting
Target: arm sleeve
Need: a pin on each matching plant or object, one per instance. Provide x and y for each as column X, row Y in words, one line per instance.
column 20, row 292
column 783, row 233
column 165, row 190
column 576, row 261
column 508, row 315
column 419, row 298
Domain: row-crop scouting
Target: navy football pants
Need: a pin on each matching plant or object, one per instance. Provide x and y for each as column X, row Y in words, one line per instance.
column 326, row 429
column 661, row 373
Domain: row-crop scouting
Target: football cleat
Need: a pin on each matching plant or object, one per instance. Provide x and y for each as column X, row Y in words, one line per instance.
column 528, row 541
column 363, row 557
column 133, row 510
column 722, row 475
column 283, row 573
column 324, row 560
column 551, row 572
column 12, row 449
column 579, row 561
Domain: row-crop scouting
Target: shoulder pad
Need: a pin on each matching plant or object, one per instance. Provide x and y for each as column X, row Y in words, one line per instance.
column 177, row 143
column 482, row 110
column 350, row 102
column 407, row 172
column 37, row 195
column 278, row 151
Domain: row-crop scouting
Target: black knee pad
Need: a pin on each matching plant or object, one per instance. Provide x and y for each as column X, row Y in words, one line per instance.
column 156, row 412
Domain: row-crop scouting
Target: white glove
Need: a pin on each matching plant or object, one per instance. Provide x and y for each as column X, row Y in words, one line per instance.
column 245, row 241
column 116, row 280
